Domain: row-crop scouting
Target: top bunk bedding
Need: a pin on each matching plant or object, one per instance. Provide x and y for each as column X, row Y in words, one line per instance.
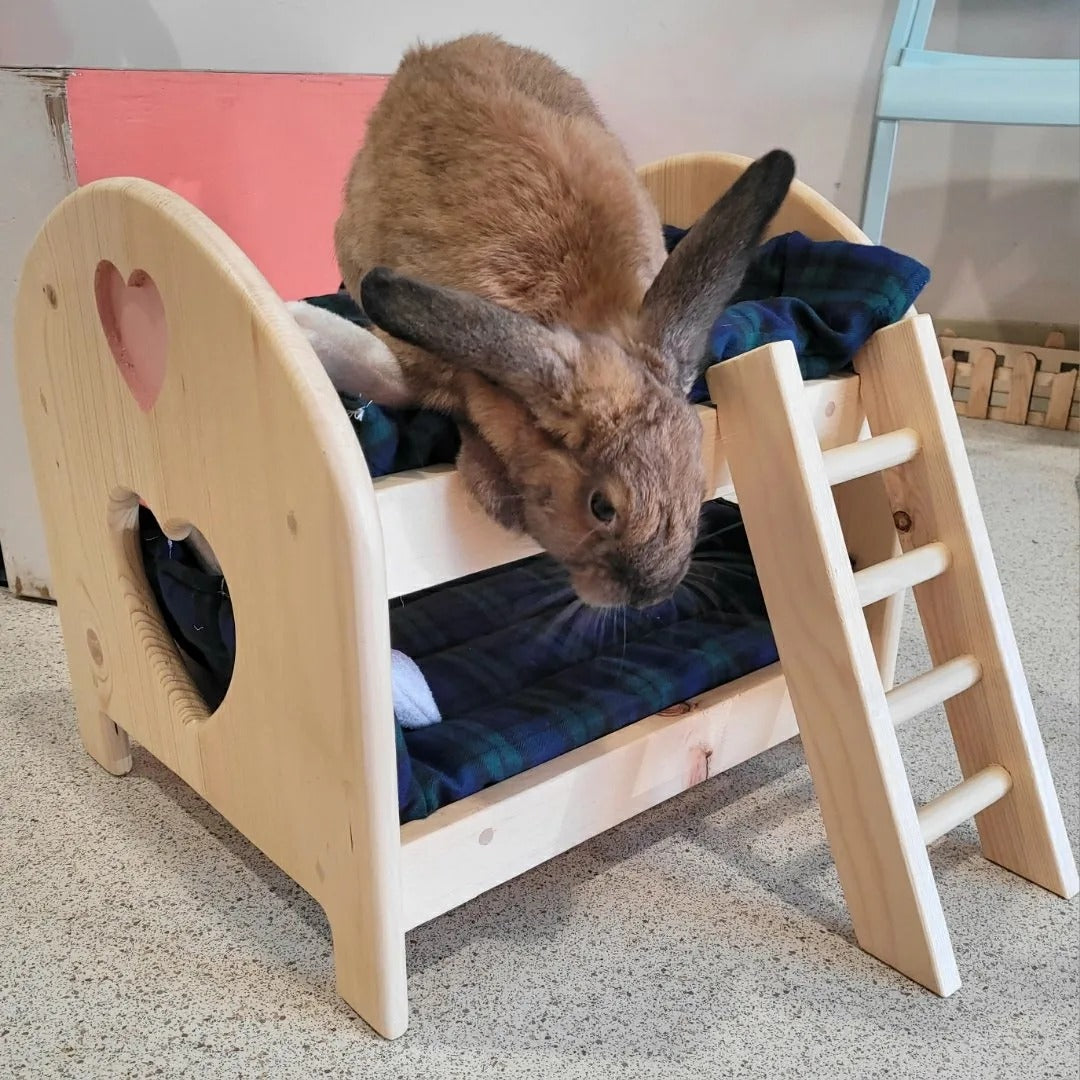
column 826, row 297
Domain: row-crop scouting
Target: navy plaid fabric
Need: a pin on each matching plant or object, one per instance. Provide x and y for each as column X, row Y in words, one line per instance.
column 826, row 297
column 521, row 673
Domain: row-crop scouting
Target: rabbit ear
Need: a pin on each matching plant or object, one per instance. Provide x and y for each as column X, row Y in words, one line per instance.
column 708, row 265
column 508, row 348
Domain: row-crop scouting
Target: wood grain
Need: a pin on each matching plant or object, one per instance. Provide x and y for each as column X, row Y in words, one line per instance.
column 950, row 369
column 1062, row 389
column 686, row 185
column 969, row 798
column 475, row 844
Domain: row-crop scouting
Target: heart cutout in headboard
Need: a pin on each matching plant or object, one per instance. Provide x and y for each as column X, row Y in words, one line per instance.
column 133, row 318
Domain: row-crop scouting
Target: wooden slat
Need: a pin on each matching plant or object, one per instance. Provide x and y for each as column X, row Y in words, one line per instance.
column 832, row 673
column 477, row 843
column 964, row 611
column 1055, row 367
column 434, row 532
column 982, row 380
column 1061, row 396
column 1003, row 380
column 950, row 369
column 1023, row 379
column 1051, row 358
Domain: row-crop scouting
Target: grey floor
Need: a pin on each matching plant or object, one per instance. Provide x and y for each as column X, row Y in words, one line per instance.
column 141, row 936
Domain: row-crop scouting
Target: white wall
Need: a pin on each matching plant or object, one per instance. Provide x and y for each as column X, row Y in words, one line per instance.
column 35, row 174
column 995, row 212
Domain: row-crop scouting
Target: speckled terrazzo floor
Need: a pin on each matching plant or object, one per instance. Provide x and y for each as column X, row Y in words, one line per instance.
column 141, row 936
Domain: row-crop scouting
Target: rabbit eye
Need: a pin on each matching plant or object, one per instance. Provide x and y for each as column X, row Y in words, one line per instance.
column 601, row 508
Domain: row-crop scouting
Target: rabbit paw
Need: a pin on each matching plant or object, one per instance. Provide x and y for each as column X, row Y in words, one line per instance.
column 356, row 361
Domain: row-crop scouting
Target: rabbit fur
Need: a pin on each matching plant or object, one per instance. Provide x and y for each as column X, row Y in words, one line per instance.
column 495, row 232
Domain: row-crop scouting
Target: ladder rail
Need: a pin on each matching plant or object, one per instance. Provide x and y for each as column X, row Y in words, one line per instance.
column 964, row 610
column 827, row 656
column 784, row 483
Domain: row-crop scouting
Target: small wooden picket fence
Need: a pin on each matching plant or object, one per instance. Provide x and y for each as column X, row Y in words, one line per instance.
column 1020, row 384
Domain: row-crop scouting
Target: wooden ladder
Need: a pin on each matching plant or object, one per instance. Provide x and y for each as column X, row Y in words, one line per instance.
column 846, row 716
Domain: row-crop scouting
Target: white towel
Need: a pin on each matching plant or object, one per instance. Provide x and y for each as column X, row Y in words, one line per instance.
column 414, row 705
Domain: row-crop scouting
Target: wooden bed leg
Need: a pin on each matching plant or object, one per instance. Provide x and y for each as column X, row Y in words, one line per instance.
column 370, row 974
column 104, row 741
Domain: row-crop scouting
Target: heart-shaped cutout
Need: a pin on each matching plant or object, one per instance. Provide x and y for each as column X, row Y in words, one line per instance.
column 133, row 318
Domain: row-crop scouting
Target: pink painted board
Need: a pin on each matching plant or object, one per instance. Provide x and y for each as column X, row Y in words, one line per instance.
column 265, row 156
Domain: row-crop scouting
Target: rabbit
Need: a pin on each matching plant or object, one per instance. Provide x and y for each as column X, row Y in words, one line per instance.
column 495, row 232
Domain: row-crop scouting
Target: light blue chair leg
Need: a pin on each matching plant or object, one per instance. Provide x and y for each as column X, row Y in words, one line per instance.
column 911, row 20
column 920, row 26
column 878, row 176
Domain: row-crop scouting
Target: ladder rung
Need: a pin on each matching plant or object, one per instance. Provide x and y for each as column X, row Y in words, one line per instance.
column 891, row 576
column 929, row 690
column 971, row 797
column 870, row 455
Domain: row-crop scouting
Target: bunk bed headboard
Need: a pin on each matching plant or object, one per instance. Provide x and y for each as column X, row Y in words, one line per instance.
column 686, row 185
column 155, row 363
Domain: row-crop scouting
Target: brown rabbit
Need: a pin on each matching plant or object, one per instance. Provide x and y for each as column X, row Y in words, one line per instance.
column 497, row 234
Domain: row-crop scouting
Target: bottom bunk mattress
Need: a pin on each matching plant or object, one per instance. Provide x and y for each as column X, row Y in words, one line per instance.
column 510, row 670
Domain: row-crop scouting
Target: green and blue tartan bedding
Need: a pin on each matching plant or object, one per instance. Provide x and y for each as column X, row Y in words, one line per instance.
column 520, row 677
column 825, row 296
column 520, row 673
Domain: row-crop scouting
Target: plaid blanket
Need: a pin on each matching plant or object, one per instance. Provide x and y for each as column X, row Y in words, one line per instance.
column 827, row 297
column 520, row 673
